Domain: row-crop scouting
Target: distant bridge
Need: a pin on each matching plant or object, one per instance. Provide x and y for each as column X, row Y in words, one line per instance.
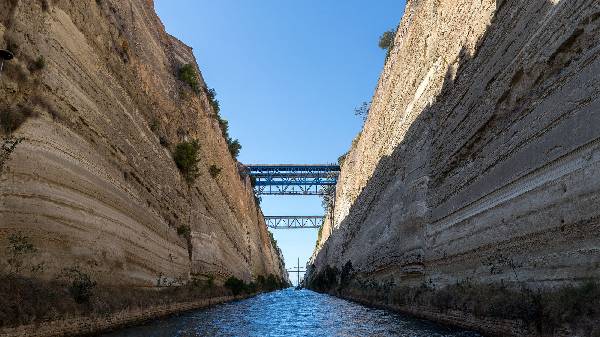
column 289, row 222
column 292, row 179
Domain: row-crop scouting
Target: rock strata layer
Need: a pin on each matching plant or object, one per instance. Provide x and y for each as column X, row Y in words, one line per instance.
column 93, row 183
column 480, row 157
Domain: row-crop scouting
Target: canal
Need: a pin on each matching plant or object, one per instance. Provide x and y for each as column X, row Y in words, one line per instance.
column 290, row 313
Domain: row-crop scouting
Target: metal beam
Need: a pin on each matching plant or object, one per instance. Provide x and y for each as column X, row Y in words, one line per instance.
column 292, row 179
column 288, row 222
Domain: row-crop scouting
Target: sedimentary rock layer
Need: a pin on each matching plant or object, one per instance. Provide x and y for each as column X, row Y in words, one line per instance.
column 93, row 183
column 480, row 157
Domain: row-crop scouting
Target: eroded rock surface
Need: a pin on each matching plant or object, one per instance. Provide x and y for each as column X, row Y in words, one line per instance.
column 480, row 158
column 93, row 183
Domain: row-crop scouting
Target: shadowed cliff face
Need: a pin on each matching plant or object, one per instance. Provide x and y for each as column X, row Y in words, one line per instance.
column 92, row 182
column 480, row 158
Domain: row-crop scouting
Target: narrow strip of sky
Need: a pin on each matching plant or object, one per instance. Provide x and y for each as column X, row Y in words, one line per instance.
column 289, row 75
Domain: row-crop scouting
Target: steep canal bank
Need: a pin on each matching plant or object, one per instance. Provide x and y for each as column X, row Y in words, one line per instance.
column 471, row 193
column 120, row 194
column 291, row 313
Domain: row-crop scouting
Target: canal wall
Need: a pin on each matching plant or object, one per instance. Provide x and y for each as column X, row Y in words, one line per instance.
column 94, row 325
column 478, row 163
column 94, row 107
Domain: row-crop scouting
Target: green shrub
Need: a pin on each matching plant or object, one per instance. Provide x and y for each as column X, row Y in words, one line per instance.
column 8, row 146
column 80, row 285
column 184, row 231
column 216, row 105
column 12, row 118
column 212, row 99
column 163, row 141
column 363, row 111
column 188, row 74
column 38, row 64
column 19, row 249
column 233, row 145
column 324, row 281
column 210, row 281
column 251, row 288
column 236, row 285
column 386, row 40
column 186, row 159
column 272, row 283
column 260, row 280
column 214, row 171
column 154, row 125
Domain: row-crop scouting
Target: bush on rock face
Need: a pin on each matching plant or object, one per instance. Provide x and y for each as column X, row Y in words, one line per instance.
column 236, row 285
column 214, row 171
column 186, row 159
column 188, row 74
column 11, row 118
column 80, row 285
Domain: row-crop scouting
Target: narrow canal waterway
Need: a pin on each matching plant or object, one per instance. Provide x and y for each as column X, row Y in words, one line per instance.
column 291, row 313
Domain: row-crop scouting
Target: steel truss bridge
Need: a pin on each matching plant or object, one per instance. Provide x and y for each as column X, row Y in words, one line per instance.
column 293, row 179
column 281, row 222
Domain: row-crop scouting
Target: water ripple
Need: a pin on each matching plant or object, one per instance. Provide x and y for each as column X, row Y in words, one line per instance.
column 291, row 313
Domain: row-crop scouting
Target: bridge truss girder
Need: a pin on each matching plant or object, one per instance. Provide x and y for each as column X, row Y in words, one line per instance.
column 288, row 222
column 293, row 179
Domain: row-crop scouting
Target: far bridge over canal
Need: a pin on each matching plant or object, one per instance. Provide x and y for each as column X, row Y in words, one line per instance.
column 293, row 179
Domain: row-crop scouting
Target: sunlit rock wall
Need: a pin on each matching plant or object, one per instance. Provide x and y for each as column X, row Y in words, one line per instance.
column 93, row 183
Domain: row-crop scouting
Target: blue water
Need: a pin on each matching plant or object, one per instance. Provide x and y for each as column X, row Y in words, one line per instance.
column 291, row 313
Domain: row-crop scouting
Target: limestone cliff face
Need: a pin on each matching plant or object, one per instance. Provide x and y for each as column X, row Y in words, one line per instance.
column 93, row 182
column 480, row 158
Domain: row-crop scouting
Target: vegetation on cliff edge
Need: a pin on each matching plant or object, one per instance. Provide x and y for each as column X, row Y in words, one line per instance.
column 233, row 145
column 188, row 74
column 386, row 41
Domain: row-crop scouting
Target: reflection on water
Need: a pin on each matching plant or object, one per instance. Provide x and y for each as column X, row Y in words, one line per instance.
column 291, row 313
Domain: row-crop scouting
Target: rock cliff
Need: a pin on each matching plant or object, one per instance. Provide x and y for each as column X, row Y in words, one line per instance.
column 89, row 177
column 480, row 158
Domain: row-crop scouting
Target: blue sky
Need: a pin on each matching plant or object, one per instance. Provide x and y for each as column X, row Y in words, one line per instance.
column 289, row 75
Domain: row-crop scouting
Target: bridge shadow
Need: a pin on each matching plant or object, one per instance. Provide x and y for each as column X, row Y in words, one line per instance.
column 451, row 147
